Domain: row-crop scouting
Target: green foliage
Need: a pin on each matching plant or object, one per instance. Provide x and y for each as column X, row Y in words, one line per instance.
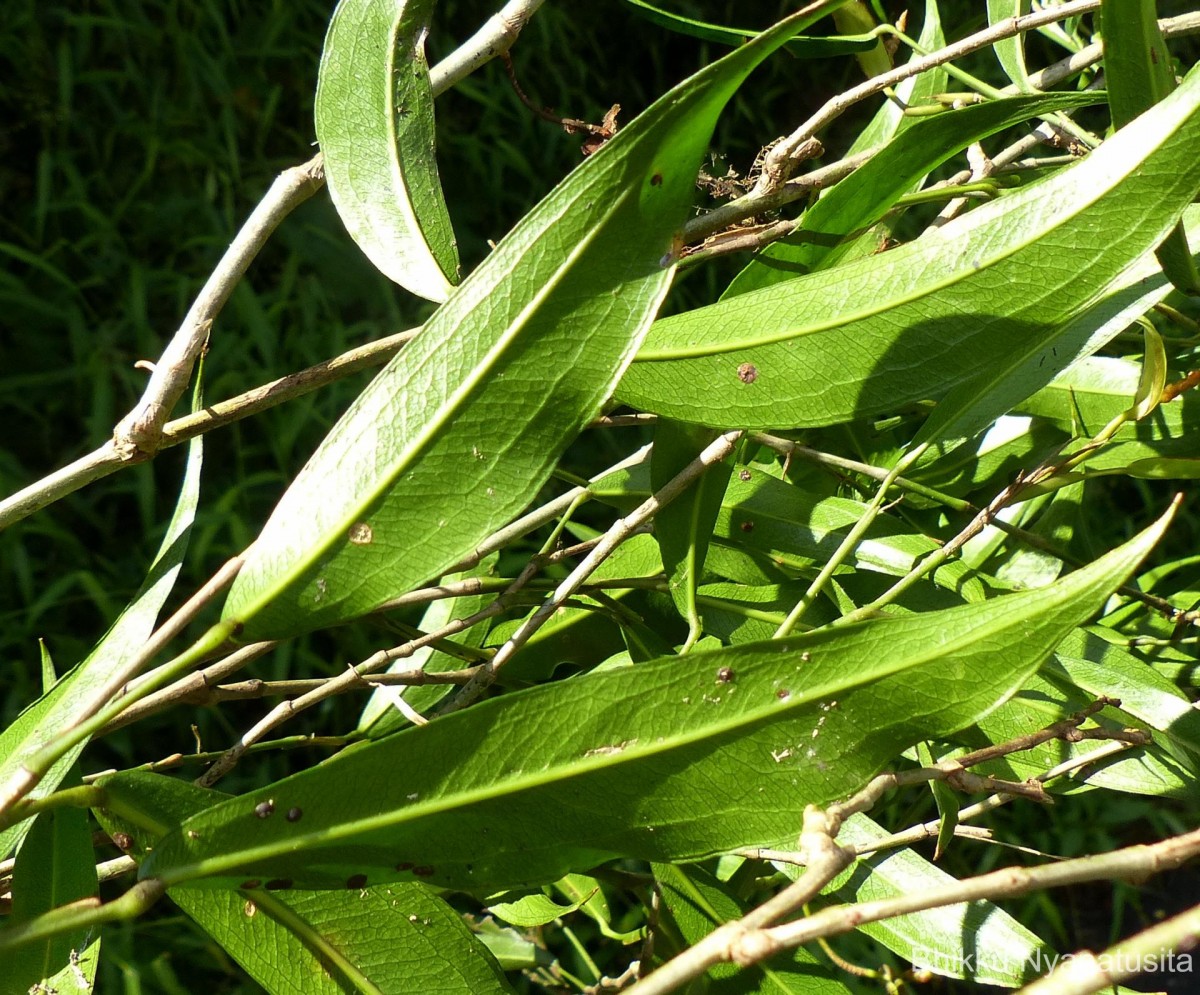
column 665, row 554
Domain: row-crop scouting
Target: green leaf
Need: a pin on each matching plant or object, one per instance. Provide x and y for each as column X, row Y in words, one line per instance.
column 467, row 422
column 977, row 941
column 910, row 324
column 532, row 910
column 1010, row 52
column 1154, row 375
column 393, row 938
column 43, row 721
column 799, row 530
column 1138, row 74
column 698, row 903
column 685, row 526
column 55, row 866
column 1033, row 364
column 801, row 47
column 374, row 118
column 1050, row 696
column 722, row 758
column 860, row 200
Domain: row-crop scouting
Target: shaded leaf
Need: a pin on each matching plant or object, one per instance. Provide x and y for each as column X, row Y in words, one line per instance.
column 684, row 528
column 698, row 903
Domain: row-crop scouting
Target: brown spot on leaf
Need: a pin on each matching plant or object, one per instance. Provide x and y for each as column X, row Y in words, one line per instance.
column 423, row 871
column 783, row 694
column 656, row 180
column 294, row 814
column 356, row 881
column 747, row 526
column 744, row 474
column 361, row 534
column 252, row 883
column 404, row 865
column 279, row 884
column 124, row 841
column 747, row 373
column 724, row 675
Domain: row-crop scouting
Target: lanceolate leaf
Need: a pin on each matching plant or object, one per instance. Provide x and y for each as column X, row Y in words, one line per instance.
column 1010, row 52
column 1138, row 74
column 912, row 323
column 831, row 224
column 684, row 528
column 457, row 433
column 401, row 938
column 55, row 866
column 374, row 117
column 1033, row 364
column 669, row 760
column 804, row 48
column 950, row 940
column 45, row 719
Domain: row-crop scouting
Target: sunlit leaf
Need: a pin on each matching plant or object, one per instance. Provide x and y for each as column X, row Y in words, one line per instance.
column 459, row 431
column 726, row 748
column 374, row 117
column 912, row 323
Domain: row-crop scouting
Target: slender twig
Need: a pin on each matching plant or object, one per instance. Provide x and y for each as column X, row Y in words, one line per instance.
column 751, row 939
column 841, row 464
column 1086, row 972
column 140, row 434
column 498, row 34
column 621, row 530
column 779, row 162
